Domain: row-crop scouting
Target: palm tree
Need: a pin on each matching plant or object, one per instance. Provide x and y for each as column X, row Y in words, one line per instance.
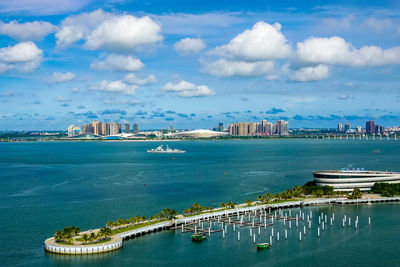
column 58, row 235
column 248, row 202
column 75, row 230
column 92, row 236
column 356, row 193
column 107, row 232
column 85, row 238
column 109, row 223
column 172, row 214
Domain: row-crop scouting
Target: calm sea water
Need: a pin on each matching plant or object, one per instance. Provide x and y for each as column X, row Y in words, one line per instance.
column 46, row 186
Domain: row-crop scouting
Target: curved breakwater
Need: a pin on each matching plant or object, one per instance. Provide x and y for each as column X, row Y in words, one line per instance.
column 117, row 240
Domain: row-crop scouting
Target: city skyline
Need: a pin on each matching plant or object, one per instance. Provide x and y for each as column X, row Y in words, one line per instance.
column 196, row 65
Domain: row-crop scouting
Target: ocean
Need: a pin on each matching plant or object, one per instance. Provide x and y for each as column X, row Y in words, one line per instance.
column 45, row 186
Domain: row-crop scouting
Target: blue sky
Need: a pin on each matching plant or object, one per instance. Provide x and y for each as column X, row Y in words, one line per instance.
column 197, row 63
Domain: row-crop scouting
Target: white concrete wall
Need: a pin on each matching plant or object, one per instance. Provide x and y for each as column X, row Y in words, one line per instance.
column 91, row 249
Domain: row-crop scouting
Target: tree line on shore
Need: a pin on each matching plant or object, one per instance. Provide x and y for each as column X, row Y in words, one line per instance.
column 386, row 190
column 66, row 235
column 166, row 213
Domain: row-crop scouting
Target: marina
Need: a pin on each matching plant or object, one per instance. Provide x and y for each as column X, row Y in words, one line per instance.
column 255, row 218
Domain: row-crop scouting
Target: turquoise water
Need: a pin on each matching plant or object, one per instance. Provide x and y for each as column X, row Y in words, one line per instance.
column 46, row 186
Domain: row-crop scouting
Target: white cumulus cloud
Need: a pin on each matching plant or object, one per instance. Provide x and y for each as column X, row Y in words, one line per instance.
column 116, row 62
column 22, row 57
column 188, row 46
column 311, row 73
column 260, row 43
column 336, row 50
column 228, row 68
column 131, row 78
column 118, row 86
column 60, row 77
column 103, row 30
column 188, row 89
column 27, row 31
column 78, row 27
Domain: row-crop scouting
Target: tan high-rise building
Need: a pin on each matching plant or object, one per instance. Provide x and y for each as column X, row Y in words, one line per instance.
column 86, row 128
column 251, row 128
column 260, row 128
column 105, row 129
column 96, row 127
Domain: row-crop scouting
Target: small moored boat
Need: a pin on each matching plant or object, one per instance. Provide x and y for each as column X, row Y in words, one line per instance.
column 198, row 237
column 263, row 245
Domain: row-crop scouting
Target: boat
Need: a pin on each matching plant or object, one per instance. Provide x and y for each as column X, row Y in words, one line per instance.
column 263, row 245
column 199, row 237
column 347, row 179
column 160, row 149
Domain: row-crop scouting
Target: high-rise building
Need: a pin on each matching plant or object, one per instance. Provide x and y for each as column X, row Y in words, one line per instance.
column 119, row 128
column 105, row 129
column 127, row 128
column 135, row 128
column 282, row 127
column 221, row 127
column 86, row 128
column 340, row 127
column 114, row 128
column 347, row 127
column 259, row 128
column 96, row 127
column 251, row 129
column 370, row 127
column 378, row 129
column 358, row 129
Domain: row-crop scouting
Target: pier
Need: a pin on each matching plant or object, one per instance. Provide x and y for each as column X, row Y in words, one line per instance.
column 254, row 218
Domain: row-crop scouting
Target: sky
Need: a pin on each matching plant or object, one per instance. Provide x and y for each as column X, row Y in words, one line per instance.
column 196, row 63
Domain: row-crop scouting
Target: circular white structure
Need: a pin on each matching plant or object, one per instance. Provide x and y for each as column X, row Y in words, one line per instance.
column 348, row 179
column 51, row 246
